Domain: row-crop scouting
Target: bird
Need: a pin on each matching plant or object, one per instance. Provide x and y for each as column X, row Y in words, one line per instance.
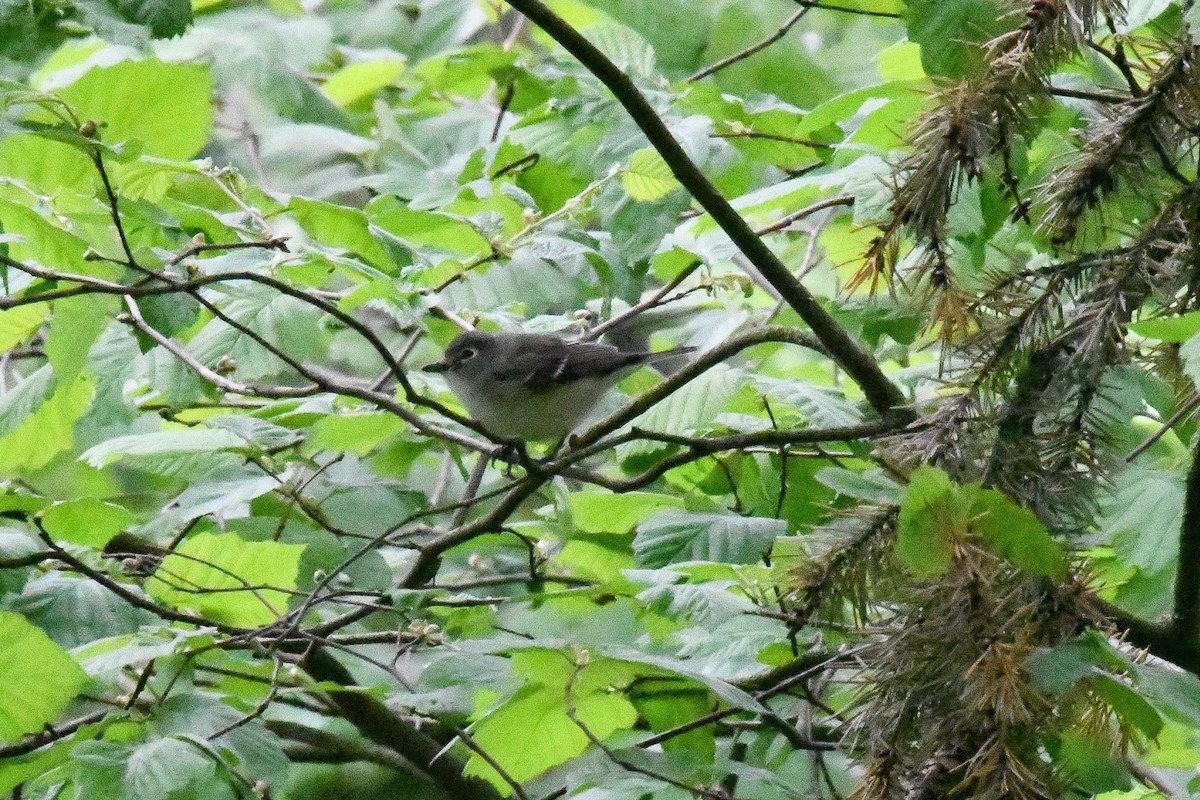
column 533, row 387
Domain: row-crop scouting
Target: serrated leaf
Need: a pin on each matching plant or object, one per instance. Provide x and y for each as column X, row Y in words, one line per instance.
column 427, row 229
column 539, row 709
column 951, row 34
column 1091, row 761
column 49, row 430
column 74, row 610
column 648, row 177
column 358, row 434
column 228, row 578
column 1174, row 329
column 191, row 440
column 289, row 324
column 526, row 281
column 77, row 323
column 151, row 180
column 37, row 679
column 86, row 521
column 226, row 494
column 874, row 486
column 605, row 512
column 721, row 688
column 675, row 536
column 162, row 767
column 18, row 324
column 33, row 238
column 197, row 718
column 353, row 82
column 692, row 408
column 340, row 226
column 822, row 406
column 168, row 107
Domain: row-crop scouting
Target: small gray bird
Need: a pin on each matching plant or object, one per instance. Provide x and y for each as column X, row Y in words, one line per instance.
column 533, row 386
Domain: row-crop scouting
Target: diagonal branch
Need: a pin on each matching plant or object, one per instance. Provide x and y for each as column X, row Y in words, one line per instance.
column 757, row 47
column 377, row 722
column 880, row 392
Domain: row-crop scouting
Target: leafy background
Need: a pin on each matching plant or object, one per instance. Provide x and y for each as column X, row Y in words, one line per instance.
column 882, row 540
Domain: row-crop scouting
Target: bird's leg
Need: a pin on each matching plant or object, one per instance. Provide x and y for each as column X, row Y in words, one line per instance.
column 513, row 451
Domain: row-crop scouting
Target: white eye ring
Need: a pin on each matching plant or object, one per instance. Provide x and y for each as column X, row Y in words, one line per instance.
column 467, row 354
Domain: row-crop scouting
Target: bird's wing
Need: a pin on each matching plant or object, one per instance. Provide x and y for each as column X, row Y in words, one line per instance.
column 560, row 363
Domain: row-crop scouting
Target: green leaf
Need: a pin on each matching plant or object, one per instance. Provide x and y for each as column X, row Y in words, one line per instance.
column 1175, row 329
column 1175, row 693
column 691, row 409
column 37, row 679
column 674, row 536
column 30, row 237
column 822, row 406
column 168, row 107
column 526, row 282
column 49, row 430
column 232, row 580
column 677, row 30
column 289, row 324
column 427, row 229
column 354, row 82
column 668, row 704
column 359, row 433
column 1130, row 706
column 1057, row 670
column 152, row 181
column 16, row 770
column 539, row 710
column 874, row 486
column 87, row 521
column 342, row 227
column 244, row 743
column 648, row 177
column 605, row 512
column 161, row 767
column 1091, row 762
column 721, row 688
column 188, row 440
column 77, row 323
column 737, row 26
column 1017, row 535
column 43, row 162
column 952, row 33
column 18, row 324
column 74, row 611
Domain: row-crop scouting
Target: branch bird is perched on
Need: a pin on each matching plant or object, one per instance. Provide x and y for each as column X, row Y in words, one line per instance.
column 533, row 386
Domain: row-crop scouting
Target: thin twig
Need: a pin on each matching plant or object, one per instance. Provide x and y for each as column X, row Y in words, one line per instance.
column 752, row 49
column 652, row 301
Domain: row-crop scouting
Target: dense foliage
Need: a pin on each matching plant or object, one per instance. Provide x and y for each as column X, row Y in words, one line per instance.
column 918, row 516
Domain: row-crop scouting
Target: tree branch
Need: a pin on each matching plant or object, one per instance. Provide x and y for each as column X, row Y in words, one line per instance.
column 881, row 393
column 778, row 34
column 1187, row 576
column 376, row 721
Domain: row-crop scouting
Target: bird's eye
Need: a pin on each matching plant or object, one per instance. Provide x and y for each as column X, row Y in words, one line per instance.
column 466, row 354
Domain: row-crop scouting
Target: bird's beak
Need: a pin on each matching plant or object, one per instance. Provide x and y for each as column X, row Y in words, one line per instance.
column 437, row 366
